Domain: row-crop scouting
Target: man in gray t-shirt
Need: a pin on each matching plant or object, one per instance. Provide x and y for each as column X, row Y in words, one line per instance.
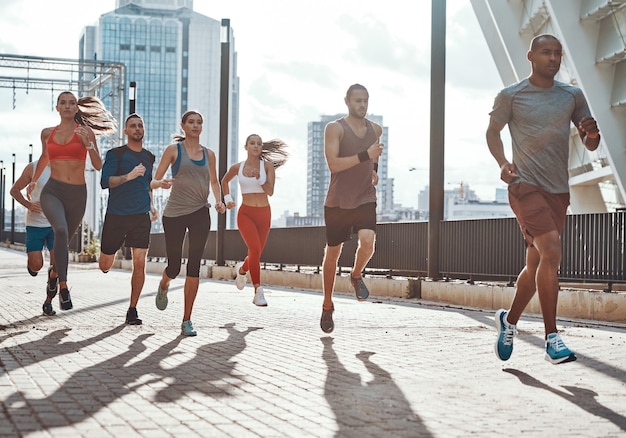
column 539, row 112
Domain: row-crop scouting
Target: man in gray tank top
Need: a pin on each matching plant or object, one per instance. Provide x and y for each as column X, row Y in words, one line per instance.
column 352, row 149
column 539, row 111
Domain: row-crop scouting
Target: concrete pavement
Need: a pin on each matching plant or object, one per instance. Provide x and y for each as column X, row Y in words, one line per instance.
column 392, row 367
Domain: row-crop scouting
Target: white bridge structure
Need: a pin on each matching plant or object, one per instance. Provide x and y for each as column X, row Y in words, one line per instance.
column 593, row 34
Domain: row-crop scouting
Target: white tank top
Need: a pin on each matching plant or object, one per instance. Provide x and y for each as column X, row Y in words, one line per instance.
column 38, row 219
column 252, row 184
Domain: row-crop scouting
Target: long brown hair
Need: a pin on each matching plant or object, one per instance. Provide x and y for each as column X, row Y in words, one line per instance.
column 92, row 113
column 272, row 151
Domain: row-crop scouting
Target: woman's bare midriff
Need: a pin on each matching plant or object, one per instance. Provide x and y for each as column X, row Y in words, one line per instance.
column 255, row 199
column 68, row 172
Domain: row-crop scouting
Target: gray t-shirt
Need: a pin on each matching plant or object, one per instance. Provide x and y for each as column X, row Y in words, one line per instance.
column 540, row 120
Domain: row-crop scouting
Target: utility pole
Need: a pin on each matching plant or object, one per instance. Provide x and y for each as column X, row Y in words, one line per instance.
column 224, row 134
column 437, row 130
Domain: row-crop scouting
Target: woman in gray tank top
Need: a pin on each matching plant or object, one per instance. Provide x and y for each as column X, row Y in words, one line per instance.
column 187, row 209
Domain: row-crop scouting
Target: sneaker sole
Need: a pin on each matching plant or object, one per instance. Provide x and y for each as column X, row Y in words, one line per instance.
column 329, row 330
column 134, row 322
column 571, row 358
column 161, row 306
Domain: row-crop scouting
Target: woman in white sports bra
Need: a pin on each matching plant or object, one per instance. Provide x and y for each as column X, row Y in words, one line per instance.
column 256, row 180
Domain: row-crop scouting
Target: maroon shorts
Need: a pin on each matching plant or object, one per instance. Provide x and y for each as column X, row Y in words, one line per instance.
column 537, row 210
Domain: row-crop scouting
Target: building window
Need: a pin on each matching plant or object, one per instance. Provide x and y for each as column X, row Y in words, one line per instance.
column 140, row 48
column 124, row 46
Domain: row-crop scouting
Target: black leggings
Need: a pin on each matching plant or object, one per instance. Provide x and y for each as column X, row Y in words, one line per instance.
column 64, row 207
column 198, row 223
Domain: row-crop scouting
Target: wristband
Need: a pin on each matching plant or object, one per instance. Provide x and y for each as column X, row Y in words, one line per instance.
column 376, row 167
column 363, row 156
column 228, row 198
column 91, row 146
column 593, row 134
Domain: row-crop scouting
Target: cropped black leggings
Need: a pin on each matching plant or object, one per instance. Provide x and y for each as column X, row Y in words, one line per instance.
column 64, row 207
column 198, row 223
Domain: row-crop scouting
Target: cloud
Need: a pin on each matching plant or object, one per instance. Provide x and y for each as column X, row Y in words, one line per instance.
column 294, row 66
column 466, row 64
column 376, row 46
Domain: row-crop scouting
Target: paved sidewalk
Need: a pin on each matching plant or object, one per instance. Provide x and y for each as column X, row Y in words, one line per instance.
column 391, row 368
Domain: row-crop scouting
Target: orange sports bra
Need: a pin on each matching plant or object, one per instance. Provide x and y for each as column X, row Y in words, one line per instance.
column 72, row 150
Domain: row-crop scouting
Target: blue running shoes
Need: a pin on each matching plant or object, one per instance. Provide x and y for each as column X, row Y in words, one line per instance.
column 556, row 351
column 506, row 333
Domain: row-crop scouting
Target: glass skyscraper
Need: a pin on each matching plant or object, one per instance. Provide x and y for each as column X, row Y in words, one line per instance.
column 173, row 54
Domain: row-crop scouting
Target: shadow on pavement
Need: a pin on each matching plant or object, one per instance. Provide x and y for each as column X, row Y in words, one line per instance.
column 605, row 368
column 581, row 397
column 381, row 401
column 215, row 380
column 91, row 389
column 48, row 347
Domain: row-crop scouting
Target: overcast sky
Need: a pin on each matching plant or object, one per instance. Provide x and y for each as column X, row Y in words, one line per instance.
column 295, row 64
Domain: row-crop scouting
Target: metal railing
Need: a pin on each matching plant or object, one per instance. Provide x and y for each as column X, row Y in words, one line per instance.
column 478, row 249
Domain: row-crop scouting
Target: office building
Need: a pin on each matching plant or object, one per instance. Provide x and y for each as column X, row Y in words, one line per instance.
column 173, row 54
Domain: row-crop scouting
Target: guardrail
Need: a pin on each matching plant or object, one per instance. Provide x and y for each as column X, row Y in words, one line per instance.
column 476, row 249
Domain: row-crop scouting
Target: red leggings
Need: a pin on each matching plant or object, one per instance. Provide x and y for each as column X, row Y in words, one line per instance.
column 254, row 227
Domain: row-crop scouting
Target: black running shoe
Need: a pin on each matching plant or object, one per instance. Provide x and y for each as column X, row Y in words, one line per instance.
column 326, row 321
column 53, row 283
column 47, row 309
column 131, row 317
column 359, row 288
column 65, row 302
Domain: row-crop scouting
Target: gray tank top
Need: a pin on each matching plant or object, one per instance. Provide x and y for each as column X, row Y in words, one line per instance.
column 353, row 187
column 190, row 191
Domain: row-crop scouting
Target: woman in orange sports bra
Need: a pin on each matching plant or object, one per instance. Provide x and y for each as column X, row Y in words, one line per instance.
column 64, row 197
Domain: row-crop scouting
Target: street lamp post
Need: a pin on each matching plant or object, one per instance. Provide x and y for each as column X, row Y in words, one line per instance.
column 224, row 134
column 2, row 190
column 30, row 153
column 132, row 97
column 13, row 206
column 437, row 129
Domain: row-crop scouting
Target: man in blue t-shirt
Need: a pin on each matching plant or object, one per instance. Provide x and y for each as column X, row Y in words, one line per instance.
column 127, row 172
column 540, row 112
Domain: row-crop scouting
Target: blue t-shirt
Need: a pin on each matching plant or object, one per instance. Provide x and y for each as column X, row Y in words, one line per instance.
column 131, row 197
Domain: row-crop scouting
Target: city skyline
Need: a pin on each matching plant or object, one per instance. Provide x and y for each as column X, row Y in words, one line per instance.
column 288, row 81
